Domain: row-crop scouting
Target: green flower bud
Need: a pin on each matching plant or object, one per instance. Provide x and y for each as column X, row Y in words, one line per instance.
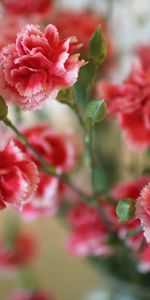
column 96, row 112
column 126, row 209
column 97, row 47
column 65, row 96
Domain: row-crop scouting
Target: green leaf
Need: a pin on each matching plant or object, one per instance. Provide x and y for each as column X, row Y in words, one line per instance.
column 97, row 47
column 126, row 209
column 3, row 109
column 96, row 112
column 65, row 96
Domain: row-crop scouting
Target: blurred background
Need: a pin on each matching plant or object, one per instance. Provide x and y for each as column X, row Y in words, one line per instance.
column 70, row 278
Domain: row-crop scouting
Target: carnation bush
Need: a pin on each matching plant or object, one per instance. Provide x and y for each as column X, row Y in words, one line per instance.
column 97, row 182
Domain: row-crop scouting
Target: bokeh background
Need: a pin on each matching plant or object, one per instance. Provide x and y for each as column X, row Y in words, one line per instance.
column 67, row 277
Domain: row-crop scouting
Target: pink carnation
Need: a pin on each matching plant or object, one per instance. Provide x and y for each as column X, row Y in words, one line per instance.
column 143, row 210
column 18, row 177
column 58, row 150
column 82, row 214
column 27, row 295
column 16, row 252
column 88, row 240
column 130, row 102
column 26, row 6
column 37, row 66
column 81, row 24
column 89, row 235
column 132, row 190
column 143, row 257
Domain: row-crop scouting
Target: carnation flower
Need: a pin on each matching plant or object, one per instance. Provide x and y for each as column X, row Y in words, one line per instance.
column 37, row 66
column 18, row 177
column 58, row 150
column 89, row 235
column 83, row 25
column 88, row 240
column 132, row 190
column 130, row 102
column 82, row 214
column 17, row 251
column 26, row 6
column 143, row 210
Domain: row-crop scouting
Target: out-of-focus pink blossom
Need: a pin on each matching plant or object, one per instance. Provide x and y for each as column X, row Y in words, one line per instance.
column 37, row 66
column 10, row 26
column 82, row 24
column 143, row 257
column 82, row 214
column 58, row 150
column 89, row 235
column 27, row 295
column 88, row 240
column 132, row 190
column 17, row 252
column 130, row 102
column 143, row 210
column 46, row 200
column 26, row 7
column 18, row 177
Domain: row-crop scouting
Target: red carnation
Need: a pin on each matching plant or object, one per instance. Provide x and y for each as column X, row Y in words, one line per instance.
column 18, row 177
column 58, row 150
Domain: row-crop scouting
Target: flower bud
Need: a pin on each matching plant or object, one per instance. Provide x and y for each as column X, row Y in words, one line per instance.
column 96, row 112
column 97, row 47
column 65, row 96
column 126, row 209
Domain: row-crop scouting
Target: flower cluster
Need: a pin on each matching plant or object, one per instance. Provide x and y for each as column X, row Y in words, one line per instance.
column 37, row 165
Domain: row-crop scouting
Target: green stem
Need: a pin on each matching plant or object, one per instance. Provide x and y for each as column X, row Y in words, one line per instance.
column 87, row 134
column 90, row 156
column 92, row 165
column 75, row 108
column 92, row 83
